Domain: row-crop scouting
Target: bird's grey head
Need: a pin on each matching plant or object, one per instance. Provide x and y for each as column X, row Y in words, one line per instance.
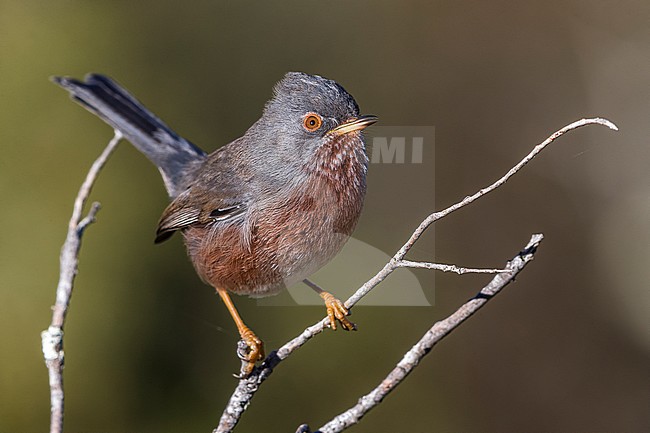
column 305, row 113
column 299, row 94
column 303, row 109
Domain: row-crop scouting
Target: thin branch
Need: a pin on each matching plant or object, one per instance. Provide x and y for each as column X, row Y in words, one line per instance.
column 52, row 338
column 437, row 332
column 248, row 386
column 469, row 199
column 445, row 268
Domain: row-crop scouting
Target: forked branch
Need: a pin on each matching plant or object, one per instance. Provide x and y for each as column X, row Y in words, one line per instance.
column 52, row 337
column 437, row 332
column 248, row 386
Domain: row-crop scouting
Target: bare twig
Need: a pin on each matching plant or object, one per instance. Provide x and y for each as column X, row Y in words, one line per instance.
column 469, row 199
column 248, row 386
column 445, row 268
column 52, row 338
column 437, row 332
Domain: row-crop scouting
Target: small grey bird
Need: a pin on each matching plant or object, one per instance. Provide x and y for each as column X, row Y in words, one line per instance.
column 267, row 209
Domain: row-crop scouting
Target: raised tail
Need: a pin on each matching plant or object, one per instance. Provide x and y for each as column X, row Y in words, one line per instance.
column 175, row 157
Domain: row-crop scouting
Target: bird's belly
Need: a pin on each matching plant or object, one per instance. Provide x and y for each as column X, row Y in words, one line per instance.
column 276, row 247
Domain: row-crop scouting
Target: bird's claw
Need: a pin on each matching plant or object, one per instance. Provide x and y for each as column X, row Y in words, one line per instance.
column 336, row 311
column 251, row 351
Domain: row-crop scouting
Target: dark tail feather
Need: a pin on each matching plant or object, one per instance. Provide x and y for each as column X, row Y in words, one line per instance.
column 174, row 156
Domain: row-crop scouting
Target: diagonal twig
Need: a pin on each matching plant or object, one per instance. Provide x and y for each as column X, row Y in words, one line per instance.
column 52, row 337
column 436, row 333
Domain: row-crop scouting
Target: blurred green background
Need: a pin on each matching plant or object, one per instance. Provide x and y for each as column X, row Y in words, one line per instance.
column 149, row 348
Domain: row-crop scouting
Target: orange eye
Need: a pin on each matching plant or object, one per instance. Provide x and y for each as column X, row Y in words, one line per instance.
column 312, row 122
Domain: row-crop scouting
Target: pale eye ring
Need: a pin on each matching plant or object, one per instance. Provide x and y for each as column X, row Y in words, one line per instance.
column 312, row 122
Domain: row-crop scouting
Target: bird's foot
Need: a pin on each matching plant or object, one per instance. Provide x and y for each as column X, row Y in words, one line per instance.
column 336, row 311
column 250, row 352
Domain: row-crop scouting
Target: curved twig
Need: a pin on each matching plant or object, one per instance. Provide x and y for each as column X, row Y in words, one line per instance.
column 248, row 386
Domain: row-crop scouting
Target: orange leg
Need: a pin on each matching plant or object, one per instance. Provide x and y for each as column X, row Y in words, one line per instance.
column 335, row 308
column 255, row 345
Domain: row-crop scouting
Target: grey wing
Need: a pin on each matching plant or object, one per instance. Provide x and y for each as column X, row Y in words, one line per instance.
column 179, row 215
column 221, row 197
column 220, row 193
column 175, row 219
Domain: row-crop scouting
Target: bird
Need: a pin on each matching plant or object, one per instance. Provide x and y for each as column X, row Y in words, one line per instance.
column 266, row 210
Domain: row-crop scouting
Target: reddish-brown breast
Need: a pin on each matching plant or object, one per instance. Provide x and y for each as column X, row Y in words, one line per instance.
column 285, row 239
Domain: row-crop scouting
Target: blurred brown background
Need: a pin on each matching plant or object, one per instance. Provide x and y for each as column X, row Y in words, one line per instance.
column 149, row 348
